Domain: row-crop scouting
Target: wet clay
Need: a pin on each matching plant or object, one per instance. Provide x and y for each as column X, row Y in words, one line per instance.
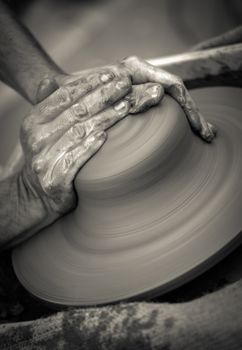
column 157, row 206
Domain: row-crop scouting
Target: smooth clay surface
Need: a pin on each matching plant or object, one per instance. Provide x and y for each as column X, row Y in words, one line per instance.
column 157, row 206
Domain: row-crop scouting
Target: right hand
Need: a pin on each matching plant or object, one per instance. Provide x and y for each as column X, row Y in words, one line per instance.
column 66, row 129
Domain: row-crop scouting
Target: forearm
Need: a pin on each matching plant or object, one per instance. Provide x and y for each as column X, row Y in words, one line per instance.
column 22, row 213
column 23, row 62
column 211, row 67
column 231, row 37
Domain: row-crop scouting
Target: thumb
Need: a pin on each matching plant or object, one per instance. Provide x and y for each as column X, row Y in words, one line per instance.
column 46, row 87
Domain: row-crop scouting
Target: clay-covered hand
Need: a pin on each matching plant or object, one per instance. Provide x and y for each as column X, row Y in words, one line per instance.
column 64, row 130
column 141, row 73
column 58, row 136
column 141, row 96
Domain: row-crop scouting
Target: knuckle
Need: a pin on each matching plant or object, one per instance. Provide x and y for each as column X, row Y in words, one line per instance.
column 79, row 110
column 122, row 107
column 106, row 97
column 81, row 86
column 112, row 93
column 86, row 106
column 77, row 131
column 64, row 96
column 37, row 166
column 155, row 91
column 123, row 84
column 90, row 124
column 106, row 76
column 178, row 89
column 178, row 80
column 88, row 144
column 131, row 59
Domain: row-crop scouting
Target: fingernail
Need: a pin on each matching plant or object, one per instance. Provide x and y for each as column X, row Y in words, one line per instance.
column 154, row 91
column 46, row 87
column 121, row 106
column 95, row 136
column 99, row 134
column 106, row 77
column 207, row 135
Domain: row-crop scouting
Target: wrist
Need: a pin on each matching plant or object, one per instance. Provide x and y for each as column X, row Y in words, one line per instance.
column 34, row 199
column 22, row 212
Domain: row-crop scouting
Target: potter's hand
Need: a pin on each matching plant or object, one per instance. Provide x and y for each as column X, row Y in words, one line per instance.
column 142, row 72
column 58, row 136
column 63, row 131
column 26, row 64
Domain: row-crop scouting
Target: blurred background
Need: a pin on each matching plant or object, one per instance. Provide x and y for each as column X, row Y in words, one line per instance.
column 84, row 33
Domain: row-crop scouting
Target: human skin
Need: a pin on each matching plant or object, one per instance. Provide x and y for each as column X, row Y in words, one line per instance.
column 213, row 321
column 67, row 124
column 24, row 63
column 58, row 136
column 231, row 37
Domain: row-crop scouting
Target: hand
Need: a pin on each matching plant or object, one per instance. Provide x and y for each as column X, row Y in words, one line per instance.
column 141, row 72
column 64, row 130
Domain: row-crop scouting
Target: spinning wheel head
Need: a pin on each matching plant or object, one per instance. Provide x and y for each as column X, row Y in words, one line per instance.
column 156, row 207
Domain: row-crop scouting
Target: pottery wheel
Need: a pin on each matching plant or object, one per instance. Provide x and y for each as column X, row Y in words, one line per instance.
column 157, row 206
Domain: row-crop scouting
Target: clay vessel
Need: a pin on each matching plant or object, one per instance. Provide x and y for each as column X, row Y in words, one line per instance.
column 157, row 206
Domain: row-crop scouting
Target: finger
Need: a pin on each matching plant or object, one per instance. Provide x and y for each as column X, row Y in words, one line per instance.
column 67, row 95
column 139, row 99
column 87, row 74
column 197, row 121
column 70, row 162
column 141, row 72
column 100, row 99
column 213, row 128
column 144, row 96
column 108, row 117
column 57, row 168
column 82, row 153
column 79, row 131
column 46, row 88
column 115, row 69
column 90, row 105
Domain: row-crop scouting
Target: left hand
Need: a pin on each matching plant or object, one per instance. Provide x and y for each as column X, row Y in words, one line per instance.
column 140, row 98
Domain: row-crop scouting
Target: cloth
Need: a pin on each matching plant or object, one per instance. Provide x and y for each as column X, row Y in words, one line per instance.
column 213, row 321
